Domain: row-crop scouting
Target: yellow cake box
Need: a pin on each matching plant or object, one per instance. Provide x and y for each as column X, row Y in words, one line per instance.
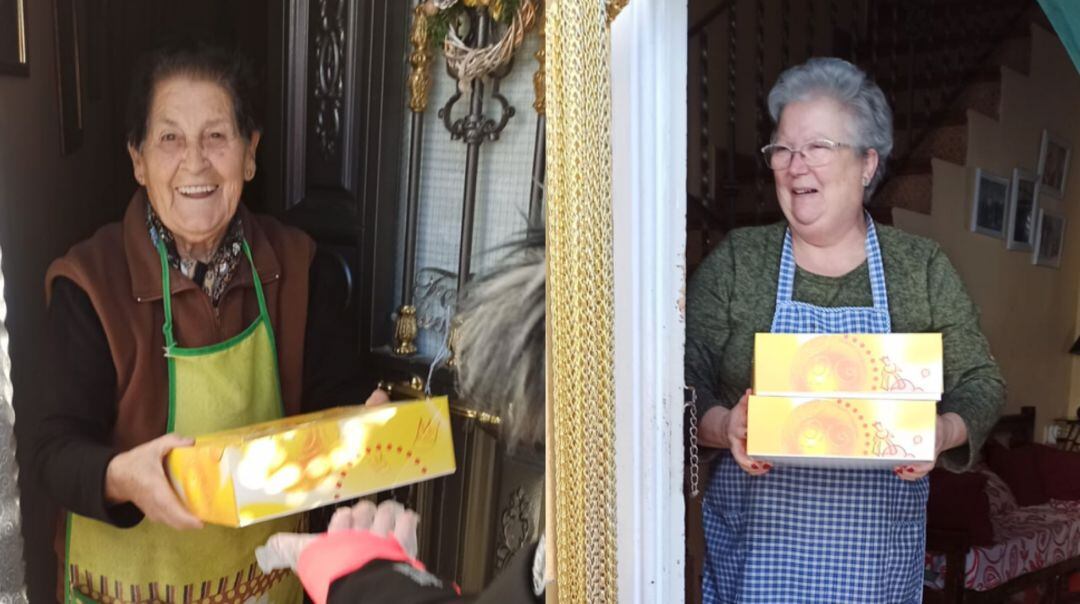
column 837, row 432
column 904, row 366
column 263, row 471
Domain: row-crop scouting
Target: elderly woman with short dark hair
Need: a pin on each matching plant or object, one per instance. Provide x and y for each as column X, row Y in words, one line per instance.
column 789, row 534
column 189, row 316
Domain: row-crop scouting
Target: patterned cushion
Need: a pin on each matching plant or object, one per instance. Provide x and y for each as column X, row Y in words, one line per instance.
column 997, row 492
column 1028, row 539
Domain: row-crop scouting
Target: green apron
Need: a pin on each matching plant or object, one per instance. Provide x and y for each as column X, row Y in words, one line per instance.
column 218, row 387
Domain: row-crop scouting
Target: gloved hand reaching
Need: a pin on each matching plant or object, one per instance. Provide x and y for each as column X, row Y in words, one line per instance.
column 355, row 536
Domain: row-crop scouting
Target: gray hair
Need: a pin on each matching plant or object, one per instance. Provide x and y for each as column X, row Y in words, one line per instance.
column 853, row 89
column 500, row 342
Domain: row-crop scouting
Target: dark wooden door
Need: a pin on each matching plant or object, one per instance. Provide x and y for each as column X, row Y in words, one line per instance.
column 336, row 90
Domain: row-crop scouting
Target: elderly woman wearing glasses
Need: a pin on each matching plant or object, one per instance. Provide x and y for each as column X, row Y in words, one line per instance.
column 789, row 534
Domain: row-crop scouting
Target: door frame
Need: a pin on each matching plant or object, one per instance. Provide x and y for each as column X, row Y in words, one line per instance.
column 648, row 81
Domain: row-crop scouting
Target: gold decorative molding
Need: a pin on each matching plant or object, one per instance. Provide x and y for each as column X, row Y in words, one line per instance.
column 496, row 8
column 414, row 389
column 614, row 7
column 481, row 417
column 420, row 59
column 405, row 331
column 581, row 301
column 539, row 76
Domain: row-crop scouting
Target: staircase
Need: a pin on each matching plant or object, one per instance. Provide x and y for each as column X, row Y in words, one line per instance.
column 946, row 139
column 936, row 60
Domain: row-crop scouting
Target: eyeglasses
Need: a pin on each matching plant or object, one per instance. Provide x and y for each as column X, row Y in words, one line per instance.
column 814, row 153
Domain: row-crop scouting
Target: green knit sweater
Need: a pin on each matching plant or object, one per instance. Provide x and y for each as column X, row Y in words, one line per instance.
column 732, row 296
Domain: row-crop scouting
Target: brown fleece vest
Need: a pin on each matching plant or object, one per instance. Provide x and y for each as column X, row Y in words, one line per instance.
column 119, row 268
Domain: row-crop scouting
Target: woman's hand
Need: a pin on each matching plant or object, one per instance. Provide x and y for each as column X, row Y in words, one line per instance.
column 138, row 476
column 950, row 432
column 378, row 397
column 726, row 429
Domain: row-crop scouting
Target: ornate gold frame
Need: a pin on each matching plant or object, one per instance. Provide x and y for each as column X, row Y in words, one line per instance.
column 580, row 298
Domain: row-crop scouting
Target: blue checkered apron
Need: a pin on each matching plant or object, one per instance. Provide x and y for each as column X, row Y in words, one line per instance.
column 801, row 535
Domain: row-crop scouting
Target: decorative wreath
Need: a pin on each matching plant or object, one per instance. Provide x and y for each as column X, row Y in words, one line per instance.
column 468, row 63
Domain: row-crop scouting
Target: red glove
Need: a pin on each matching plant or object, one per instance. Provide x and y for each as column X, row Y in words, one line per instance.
column 334, row 555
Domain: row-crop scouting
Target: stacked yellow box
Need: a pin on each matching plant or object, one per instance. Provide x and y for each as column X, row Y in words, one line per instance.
column 844, row 400
column 255, row 473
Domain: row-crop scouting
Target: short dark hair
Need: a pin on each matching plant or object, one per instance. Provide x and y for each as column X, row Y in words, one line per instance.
column 199, row 60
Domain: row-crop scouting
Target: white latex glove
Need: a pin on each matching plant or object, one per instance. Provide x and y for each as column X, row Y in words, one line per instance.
column 389, row 518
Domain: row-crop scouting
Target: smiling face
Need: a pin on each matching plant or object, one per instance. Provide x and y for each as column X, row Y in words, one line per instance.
column 822, row 200
column 193, row 161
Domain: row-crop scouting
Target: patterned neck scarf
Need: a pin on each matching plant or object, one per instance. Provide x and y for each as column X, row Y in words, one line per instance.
column 212, row 276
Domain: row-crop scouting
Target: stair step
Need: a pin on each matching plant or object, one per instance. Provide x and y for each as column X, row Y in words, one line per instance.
column 926, row 80
column 944, row 142
column 983, row 96
column 908, row 191
column 934, row 107
column 914, row 166
column 886, row 10
column 1014, row 52
column 934, row 41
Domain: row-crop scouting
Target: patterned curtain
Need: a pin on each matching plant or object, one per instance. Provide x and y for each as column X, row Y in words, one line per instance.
column 12, row 588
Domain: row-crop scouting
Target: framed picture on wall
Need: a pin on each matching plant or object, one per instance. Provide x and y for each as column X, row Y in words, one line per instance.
column 1023, row 210
column 13, row 56
column 1054, row 163
column 989, row 207
column 1049, row 239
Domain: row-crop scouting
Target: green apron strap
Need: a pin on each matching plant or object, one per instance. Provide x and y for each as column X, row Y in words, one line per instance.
column 166, row 288
column 265, row 317
column 167, row 327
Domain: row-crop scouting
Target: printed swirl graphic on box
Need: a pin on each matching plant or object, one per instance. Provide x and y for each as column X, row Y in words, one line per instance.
column 242, row 476
column 896, row 365
column 846, row 427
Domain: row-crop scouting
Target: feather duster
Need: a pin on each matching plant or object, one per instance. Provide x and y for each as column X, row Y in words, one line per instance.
column 500, row 342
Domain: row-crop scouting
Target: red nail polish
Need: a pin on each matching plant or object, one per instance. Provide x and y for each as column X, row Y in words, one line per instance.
column 768, row 466
column 909, row 470
column 753, row 466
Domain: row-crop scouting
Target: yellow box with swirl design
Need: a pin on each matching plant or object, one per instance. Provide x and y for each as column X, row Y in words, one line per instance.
column 247, row 475
column 839, row 432
column 904, row 366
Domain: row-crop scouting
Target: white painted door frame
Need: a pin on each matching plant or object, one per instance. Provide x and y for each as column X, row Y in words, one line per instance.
column 648, row 81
